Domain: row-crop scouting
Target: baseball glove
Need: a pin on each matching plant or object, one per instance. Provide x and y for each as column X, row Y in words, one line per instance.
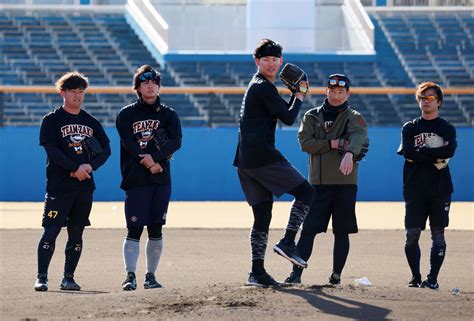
column 295, row 79
column 436, row 141
column 92, row 147
column 344, row 143
column 160, row 138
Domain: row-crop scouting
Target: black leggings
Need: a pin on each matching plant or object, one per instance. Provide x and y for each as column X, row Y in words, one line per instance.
column 154, row 232
column 47, row 244
column 50, row 234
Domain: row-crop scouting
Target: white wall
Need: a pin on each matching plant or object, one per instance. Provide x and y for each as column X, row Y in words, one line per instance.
column 330, row 29
column 304, row 26
column 205, row 28
column 290, row 23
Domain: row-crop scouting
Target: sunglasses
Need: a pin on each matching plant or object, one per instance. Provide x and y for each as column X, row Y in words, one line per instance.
column 335, row 82
column 428, row 98
column 150, row 75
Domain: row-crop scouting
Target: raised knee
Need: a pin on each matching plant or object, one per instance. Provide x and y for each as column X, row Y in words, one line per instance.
column 304, row 193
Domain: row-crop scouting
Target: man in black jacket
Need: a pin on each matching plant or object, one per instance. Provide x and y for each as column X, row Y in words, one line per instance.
column 262, row 169
column 428, row 142
column 70, row 184
column 150, row 133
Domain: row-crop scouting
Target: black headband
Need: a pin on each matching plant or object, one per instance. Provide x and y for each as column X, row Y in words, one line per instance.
column 271, row 49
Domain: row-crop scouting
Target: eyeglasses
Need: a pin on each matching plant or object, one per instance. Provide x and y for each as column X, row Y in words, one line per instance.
column 428, row 98
column 150, row 75
column 336, row 82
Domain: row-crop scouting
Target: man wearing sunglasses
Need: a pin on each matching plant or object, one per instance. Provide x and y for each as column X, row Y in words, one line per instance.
column 332, row 172
column 263, row 171
column 428, row 142
column 150, row 132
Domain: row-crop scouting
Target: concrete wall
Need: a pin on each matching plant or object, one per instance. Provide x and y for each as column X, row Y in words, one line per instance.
column 202, row 169
column 291, row 23
column 316, row 26
column 205, row 28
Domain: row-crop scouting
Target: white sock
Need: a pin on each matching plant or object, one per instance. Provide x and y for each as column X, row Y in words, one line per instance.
column 154, row 248
column 131, row 250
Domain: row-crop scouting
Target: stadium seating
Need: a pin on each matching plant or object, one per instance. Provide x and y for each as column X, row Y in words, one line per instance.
column 438, row 47
column 37, row 47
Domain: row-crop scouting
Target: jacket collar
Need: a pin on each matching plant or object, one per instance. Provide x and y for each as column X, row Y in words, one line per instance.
column 323, row 108
column 149, row 108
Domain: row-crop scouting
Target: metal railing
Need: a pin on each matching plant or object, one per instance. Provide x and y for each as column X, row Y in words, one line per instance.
column 230, row 90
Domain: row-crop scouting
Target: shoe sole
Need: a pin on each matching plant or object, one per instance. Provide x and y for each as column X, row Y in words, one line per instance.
column 259, row 285
column 295, row 262
column 129, row 287
column 41, row 288
column 146, row 287
column 69, row 289
column 291, row 283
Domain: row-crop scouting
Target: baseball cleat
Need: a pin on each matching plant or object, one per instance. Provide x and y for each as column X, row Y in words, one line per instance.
column 262, row 280
column 41, row 282
column 130, row 283
column 294, row 278
column 430, row 284
column 334, row 279
column 415, row 282
column 69, row 284
column 287, row 249
column 150, row 282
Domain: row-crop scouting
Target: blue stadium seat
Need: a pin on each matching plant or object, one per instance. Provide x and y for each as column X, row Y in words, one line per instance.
column 39, row 46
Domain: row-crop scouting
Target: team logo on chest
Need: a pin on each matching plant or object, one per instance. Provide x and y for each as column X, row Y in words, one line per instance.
column 328, row 125
column 76, row 134
column 144, row 131
column 421, row 139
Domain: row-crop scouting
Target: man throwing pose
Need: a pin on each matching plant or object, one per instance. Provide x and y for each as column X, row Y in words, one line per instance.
column 262, row 169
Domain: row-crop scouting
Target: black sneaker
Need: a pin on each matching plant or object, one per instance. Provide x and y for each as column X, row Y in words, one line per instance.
column 263, row 280
column 69, row 284
column 430, row 283
column 294, row 278
column 415, row 282
column 41, row 282
column 150, row 282
column 334, row 279
column 130, row 283
column 287, row 249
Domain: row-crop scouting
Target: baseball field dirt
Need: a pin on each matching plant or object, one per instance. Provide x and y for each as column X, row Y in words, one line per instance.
column 204, row 270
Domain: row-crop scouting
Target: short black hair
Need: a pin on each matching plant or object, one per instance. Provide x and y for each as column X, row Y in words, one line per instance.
column 72, row 80
column 267, row 47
